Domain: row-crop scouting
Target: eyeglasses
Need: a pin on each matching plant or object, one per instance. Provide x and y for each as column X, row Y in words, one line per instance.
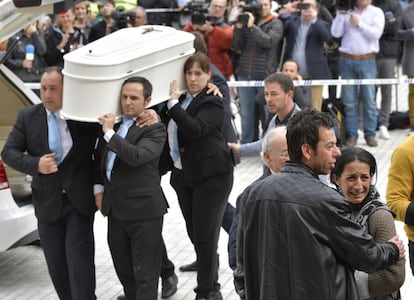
column 219, row 7
column 283, row 153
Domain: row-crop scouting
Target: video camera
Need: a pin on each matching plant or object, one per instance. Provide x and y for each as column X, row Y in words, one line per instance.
column 122, row 18
column 253, row 7
column 199, row 12
column 303, row 6
column 343, row 6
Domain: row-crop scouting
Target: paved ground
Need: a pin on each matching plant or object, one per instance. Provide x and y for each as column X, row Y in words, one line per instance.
column 23, row 273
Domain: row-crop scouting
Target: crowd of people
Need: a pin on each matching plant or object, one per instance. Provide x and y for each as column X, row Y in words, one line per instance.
column 249, row 40
column 288, row 214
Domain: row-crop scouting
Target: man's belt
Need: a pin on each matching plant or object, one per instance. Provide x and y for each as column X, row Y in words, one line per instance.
column 358, row 57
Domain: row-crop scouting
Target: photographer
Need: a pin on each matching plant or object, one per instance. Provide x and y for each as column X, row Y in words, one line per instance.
column 360, row 28
column 140, row 17
column 217, row 33
column 258, row 43
column 306, row 35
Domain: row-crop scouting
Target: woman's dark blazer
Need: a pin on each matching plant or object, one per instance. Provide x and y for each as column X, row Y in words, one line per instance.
column 203, row 150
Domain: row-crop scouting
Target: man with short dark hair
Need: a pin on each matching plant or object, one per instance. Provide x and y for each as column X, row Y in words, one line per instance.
column 300, row 241
column 132, row 197
column 278, row 91
column 302, row 94
column 257, row 42
column 58, row 154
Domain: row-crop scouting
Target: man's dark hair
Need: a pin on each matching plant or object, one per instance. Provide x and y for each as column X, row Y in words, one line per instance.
column 145, row 83
column 292, row 61
column 303, row 128
column 52, row 69
column 283, row 80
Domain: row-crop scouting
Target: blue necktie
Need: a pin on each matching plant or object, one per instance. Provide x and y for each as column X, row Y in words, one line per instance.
column 122, row 132
column 55, row 144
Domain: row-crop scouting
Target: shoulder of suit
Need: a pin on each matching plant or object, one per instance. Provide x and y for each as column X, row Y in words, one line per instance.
column 154, row 126
column 38, row 108
column 157, row 126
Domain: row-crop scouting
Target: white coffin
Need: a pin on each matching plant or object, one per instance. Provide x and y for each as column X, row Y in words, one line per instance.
column 93, row 74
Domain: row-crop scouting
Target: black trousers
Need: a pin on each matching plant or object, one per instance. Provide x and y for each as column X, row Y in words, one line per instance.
column 202, row 206
column 167, row 266
column 136, row 252
column 411, row 254
column 69, row 248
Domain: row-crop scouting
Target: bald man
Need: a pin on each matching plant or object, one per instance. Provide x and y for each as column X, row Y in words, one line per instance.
column 274, row 155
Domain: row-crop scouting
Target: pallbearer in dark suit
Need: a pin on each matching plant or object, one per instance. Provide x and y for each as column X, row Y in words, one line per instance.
column 132, row 197
column 202, row 173
column 62, row 186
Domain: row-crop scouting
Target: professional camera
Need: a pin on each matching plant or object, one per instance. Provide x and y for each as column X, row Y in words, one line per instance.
column 253, row 8
column 344, row 6
column 199, row 12
column 122, row 18
column 303, row 5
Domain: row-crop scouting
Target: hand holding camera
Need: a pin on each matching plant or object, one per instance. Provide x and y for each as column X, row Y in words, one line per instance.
column 249, row 14
column 245, row 20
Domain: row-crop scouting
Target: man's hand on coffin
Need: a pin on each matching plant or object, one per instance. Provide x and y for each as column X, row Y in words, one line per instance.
column 107, row 121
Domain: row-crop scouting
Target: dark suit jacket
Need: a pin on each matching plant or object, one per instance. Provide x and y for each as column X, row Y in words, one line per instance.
column 319, row 32
column 75, row 174
column 134, row 192
column 203, row 150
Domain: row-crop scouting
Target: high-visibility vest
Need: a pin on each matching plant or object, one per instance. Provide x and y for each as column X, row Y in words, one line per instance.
column 126, row 4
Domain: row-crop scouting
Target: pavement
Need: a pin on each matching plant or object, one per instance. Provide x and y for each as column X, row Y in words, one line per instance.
column 23, row 271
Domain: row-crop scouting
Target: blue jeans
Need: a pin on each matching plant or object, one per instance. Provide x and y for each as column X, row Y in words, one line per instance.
column 247, row 97
column 359, row 69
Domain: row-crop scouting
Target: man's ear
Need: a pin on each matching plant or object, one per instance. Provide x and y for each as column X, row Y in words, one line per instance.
column 306, row 151
column 266, row 158
column 290, row 94
column 147, row 101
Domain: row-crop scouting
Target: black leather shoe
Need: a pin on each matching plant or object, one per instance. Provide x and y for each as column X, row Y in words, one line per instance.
column 122, row 297
column 169, row 286
column 189, row 268
column 215, row 295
